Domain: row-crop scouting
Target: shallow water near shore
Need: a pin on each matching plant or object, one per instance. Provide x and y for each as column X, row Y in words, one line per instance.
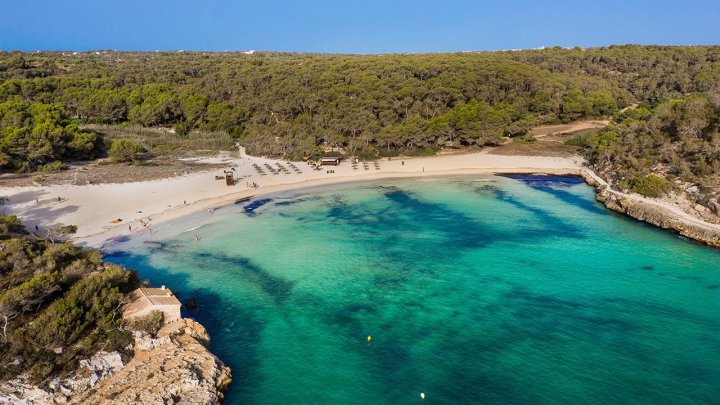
column 475, row 289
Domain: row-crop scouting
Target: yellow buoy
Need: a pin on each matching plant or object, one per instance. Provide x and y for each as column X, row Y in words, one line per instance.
column 422, row 395
column 369, row 339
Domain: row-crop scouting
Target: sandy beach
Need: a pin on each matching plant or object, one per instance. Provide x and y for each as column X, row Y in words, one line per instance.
column 95, row 209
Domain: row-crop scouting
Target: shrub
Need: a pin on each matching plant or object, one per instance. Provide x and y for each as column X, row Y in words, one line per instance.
column 183, row 128
column 581, row 138
column 124, row 150
column 150, row 323
column 389, row 152
column 522, row 126
column 10, row 224
column 55, row 166
column 650, row 185
column 58, row 232
column 528, row 138
column 424, row 151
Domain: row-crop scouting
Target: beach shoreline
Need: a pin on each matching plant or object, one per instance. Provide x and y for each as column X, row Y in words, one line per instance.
column 101, row 241
column 143, row 205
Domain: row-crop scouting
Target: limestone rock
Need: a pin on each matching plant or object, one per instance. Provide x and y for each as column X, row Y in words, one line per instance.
column 658, row 217
column 102, row 365
column 175, row 367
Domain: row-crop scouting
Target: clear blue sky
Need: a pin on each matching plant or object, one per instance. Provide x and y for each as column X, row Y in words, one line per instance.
column 351, row 26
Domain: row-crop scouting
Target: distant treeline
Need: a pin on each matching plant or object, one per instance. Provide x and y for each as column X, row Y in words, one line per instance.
column 289, row 104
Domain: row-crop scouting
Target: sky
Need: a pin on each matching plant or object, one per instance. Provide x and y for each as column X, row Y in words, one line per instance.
column 352, row 26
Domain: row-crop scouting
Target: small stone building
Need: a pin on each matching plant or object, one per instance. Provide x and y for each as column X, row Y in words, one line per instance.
column 145, row 300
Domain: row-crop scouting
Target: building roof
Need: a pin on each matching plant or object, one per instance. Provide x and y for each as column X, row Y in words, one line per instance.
column 156, row 292
column 144, row 298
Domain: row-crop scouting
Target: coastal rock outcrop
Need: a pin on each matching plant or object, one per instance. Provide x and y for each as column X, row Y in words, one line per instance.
column 177, row 368
column 658, row 217
column 652, row 213
column 60, row 391
column 173, row 367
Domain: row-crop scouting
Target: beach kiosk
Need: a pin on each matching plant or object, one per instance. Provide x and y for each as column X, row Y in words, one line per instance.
column 229, row 178
column 329, row 161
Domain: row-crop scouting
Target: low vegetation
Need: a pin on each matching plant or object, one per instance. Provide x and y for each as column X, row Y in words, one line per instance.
column 649, row 186
column 59, row 303
column 150, row 323
column 163, row 142
column 124, row 150
column 648, row 148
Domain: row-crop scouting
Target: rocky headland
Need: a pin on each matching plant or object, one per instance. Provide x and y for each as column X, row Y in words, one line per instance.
column 175, row 367
column 667, row 215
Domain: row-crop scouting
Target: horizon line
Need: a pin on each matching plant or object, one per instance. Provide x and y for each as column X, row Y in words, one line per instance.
column 253, row 51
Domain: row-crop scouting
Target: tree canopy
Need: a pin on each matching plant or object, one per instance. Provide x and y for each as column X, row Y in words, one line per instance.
column 59, row 303
column 289, row 104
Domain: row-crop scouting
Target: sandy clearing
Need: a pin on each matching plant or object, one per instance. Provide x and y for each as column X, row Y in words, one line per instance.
column 544, row 130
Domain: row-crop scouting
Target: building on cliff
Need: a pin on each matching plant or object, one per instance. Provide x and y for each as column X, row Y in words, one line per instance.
column 145, row 300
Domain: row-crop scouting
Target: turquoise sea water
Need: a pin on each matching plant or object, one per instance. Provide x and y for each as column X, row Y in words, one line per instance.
column 475, row 289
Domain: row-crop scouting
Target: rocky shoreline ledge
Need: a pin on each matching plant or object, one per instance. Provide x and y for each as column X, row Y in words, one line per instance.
column 644, row 209
column 173, row 367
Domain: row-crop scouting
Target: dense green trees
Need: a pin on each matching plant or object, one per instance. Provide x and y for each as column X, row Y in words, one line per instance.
column 35, row 134
column 59, row 303
column 678, row 137
column 649, row 185
column 646, row 149
column 289, row 104
column 123, row 150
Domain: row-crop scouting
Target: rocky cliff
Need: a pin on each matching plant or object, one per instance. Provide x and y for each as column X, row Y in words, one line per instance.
column 655, row 214
column 174, row 367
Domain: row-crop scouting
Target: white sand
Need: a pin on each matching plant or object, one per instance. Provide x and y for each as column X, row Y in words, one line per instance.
column 93, row 207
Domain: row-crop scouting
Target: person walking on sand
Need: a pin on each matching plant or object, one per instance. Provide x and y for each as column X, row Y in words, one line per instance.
column 129, row 227
column 59, row 199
